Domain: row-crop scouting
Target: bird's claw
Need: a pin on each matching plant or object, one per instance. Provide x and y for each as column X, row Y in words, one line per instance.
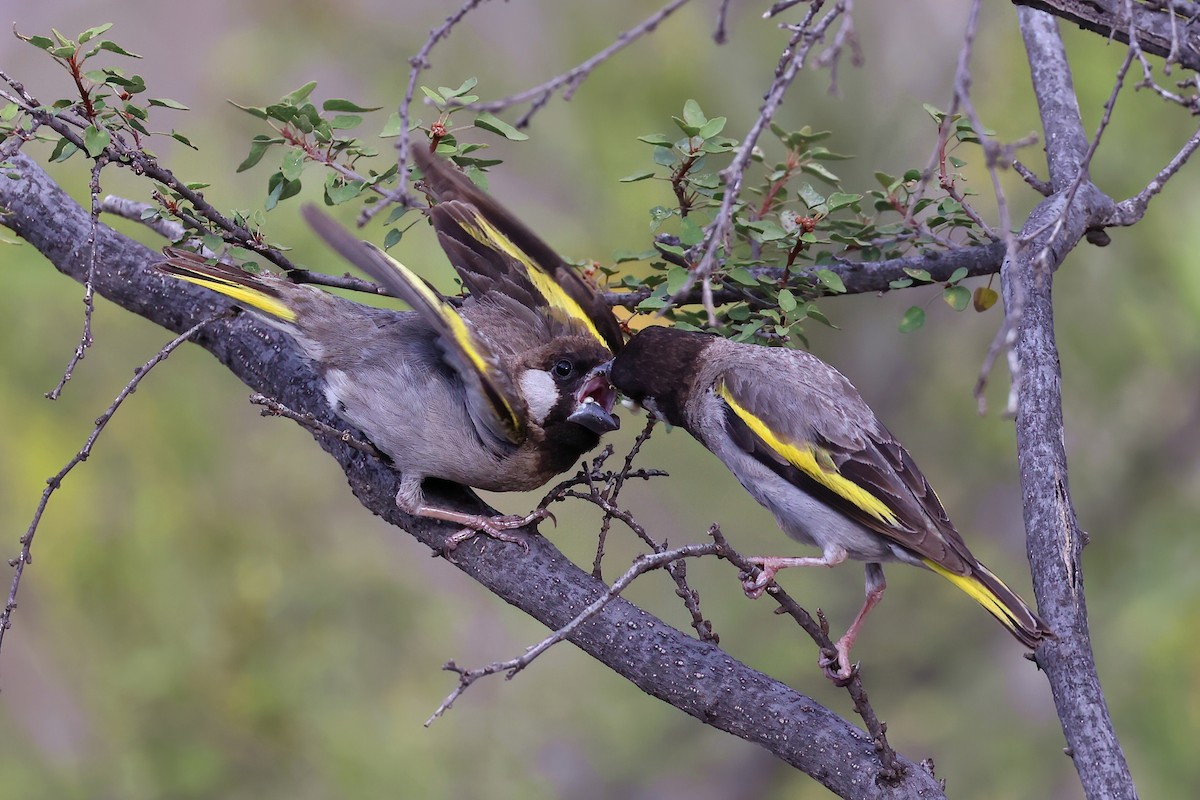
column 756, row 585
column 496, row 528
column 837, row 666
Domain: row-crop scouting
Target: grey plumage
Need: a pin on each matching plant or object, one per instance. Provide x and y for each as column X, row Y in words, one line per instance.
column 497, row 395
column 804, row 444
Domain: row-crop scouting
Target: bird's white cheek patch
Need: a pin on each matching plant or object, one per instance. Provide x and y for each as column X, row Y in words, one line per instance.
column 540, row 392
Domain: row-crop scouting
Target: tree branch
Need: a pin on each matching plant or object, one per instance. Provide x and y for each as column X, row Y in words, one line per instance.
column 1054, row 541
column 696, row 677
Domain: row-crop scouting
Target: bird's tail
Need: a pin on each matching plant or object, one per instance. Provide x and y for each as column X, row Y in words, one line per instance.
column 1001, row 602
column 244, row 287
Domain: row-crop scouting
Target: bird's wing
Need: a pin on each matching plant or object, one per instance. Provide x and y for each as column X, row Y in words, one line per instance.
column 466, row 214
column 804, row 421
column 492, row 398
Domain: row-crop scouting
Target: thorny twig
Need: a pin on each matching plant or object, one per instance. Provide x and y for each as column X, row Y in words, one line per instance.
column 53, row 483
column 642, row 564
column 615, row 489
column 274, row 408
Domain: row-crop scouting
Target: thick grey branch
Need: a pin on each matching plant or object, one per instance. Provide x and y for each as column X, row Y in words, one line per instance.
column 695, row 677
column 1153, row 25
column 1053, row 538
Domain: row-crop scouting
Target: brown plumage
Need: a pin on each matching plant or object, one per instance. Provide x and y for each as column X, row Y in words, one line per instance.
column 499, row 395
column 805, row 445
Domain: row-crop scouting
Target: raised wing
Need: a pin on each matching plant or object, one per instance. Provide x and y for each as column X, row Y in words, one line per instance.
column 492, row 398
column 476, row 220
column 850, row 460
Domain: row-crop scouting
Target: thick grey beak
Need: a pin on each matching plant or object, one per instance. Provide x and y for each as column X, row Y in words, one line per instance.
column 594, row 403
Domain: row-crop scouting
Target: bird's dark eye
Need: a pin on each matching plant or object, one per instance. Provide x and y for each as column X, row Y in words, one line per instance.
column 563, row 368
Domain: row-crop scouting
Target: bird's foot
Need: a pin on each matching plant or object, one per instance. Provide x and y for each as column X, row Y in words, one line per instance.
column 754, row 586
column 497, row 527
column 836, row 664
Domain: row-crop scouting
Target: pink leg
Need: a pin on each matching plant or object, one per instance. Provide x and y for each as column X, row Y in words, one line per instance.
column 754, row 587
column 411, row 501
column 875, row 588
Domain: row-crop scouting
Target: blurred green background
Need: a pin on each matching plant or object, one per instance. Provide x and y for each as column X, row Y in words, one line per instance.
column 210, row 613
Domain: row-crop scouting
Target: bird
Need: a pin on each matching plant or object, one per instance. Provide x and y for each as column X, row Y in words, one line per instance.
column 801, row 440
column 501, row 394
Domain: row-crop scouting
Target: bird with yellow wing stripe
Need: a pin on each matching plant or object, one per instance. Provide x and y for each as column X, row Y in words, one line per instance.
column 805, row 445
column 500, row 394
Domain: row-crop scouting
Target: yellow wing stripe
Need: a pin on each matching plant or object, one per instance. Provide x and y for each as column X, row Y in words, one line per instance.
column 978, row 592
column 458, row 327
column 813, row 462
column 243, row 294
column 483, row 231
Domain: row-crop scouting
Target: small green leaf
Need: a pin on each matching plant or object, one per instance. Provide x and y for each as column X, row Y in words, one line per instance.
column 392, row 238
column 167, row 102
column 913, row 319
column 63, row 150
column 92, row 33
column 957, row 297
column 903, row 283
column 279, row 188
column 810, row 196
column 935, row 112
column 692, row 115
column 919, row 274
column 842, row 199
column 712, row 128
column 258, row 147
column 434, row 96
column 254, row 111
column 676, row 278
column 820, row 172
column 179, row 137
column 392, row 127
column 95, row 140
column 40, row 42
column 657, row 139
column 743, row 276
column 690, row 233
column 340, row 104
column 490, row 122
column 985, row 297
column 113, row 47
column 957, row 275
column 467, row 85
column 292, row 165
column 787, row 301
column 343, row 122
column 831, row 280
column 637, row 176
column 300, row 95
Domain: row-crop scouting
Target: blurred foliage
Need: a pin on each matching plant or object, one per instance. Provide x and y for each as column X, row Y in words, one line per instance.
column 210, row 613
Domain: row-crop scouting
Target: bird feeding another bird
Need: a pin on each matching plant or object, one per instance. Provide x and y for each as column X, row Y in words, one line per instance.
column 501, row 394
column 802, row 441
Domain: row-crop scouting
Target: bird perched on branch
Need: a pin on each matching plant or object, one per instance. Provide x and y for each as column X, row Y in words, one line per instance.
column 501, row 394
column 805, row 445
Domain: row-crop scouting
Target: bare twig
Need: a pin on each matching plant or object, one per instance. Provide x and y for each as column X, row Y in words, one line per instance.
column 642, row 564
column 1131, row 211
column 274, row 408
column 89, row 303
column 417, row 64
column 53, row 483
column 819, row 633
column 804, row 37
column 570, row 80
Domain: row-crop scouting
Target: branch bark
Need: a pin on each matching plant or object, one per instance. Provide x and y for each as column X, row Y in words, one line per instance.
column 696, row 677
column 1054, row 541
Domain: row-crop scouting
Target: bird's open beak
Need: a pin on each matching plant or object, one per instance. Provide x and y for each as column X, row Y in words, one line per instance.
column 594, row 402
